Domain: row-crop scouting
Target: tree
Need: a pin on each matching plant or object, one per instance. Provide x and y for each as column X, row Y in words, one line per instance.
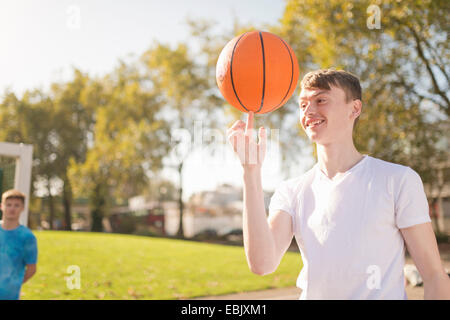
column 185, row 87
column 411, row 44
column 72, row 123
column 128, row 141
column 58, row 125
column 30, row 120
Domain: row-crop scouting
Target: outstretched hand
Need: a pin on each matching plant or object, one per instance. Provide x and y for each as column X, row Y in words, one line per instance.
column 240, row 136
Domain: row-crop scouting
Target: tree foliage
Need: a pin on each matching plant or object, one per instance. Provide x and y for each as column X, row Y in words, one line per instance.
column 403, row 68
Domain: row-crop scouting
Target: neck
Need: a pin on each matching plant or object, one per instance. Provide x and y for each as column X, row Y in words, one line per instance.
column 335, row 158
column 10, row 224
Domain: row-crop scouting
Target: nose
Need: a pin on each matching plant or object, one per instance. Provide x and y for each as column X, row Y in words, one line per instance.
column 308, row 111
column 310, row 108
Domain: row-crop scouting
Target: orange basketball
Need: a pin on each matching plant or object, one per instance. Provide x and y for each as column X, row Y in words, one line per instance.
column 257, row 71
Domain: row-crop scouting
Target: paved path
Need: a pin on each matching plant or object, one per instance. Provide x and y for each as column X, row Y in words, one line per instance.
column 293, row 293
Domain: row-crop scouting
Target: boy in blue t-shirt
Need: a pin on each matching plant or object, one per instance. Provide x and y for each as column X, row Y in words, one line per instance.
column 18, row 248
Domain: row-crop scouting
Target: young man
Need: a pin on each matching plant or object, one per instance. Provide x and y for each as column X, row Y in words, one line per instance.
column 351, row 214
column 18, row 249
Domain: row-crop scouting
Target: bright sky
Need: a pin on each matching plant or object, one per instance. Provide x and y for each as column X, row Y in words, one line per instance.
column 41, row 40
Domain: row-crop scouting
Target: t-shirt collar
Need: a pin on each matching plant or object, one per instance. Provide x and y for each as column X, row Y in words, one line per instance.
column 323, row 176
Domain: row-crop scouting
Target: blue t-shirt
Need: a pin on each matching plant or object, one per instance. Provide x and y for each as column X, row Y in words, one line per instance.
column 17, row 249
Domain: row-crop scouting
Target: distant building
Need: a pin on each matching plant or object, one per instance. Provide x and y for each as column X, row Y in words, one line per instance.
column 219, row 210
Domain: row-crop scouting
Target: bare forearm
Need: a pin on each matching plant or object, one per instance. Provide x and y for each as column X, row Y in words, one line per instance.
column 258, row 242
column 437, row 288
column 28, row 274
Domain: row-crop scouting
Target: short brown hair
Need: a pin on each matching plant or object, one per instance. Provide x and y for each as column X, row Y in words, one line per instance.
column 325, row 78
column 13, row 194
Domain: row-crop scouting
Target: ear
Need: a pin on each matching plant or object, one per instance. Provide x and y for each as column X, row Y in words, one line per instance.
column 356, row 108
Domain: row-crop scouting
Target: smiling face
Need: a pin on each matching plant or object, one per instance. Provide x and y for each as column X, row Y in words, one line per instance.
column 12, row 208
column 327, row 115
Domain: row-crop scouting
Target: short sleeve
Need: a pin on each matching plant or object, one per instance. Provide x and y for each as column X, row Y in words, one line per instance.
column 30, row 250
column 411, row 205
column 282, row 199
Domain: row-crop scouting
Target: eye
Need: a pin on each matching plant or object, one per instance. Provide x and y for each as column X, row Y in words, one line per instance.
column 321, row 100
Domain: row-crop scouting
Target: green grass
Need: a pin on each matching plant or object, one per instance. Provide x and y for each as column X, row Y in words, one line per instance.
column 117, row 266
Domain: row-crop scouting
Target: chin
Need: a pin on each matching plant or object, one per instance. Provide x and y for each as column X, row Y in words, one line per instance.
column 318, row 140
column 315, row 138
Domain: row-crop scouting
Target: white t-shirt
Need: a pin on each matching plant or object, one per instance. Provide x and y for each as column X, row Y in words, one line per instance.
column 348, row 229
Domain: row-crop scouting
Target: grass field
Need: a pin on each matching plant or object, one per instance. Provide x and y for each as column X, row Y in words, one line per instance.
column 117, row 266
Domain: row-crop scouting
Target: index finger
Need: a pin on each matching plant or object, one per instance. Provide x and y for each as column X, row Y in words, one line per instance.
column 249, row 122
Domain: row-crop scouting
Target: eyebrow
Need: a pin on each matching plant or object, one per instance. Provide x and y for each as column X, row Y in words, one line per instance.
column 314, row 95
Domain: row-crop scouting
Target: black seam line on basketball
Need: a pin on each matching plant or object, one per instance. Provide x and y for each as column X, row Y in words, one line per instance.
column 292, row 74
column 264, row 72
column 231, row 72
